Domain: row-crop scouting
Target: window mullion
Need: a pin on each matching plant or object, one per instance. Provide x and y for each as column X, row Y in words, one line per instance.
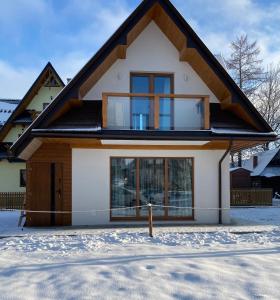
column 137, row 188
column 166, row 182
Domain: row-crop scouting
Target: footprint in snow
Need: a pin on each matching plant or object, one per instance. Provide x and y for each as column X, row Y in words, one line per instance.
column 150, row 267
column 186, row 277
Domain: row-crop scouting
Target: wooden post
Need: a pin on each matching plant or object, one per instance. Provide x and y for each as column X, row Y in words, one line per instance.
column 150, row 219
column 206, row 113
column 156, row 112
column 104, row 110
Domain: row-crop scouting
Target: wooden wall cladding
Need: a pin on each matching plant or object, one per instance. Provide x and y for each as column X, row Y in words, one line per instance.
column 38, row 176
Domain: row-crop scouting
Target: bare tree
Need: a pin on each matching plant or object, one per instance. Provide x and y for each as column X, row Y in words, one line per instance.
column 267, row 98
column 245, row 65
column 246, row 69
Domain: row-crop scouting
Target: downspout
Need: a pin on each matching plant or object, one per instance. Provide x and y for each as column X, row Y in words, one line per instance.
column 220, row 181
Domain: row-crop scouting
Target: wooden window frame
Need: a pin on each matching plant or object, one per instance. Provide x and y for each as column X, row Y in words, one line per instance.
column 155, row 108
column 21, row 184
column 166, row 217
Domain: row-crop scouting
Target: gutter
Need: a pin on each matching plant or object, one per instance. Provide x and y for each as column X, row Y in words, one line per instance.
column 220, row 181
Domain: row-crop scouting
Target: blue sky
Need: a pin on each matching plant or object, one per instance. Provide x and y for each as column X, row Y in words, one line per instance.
column 69, row 32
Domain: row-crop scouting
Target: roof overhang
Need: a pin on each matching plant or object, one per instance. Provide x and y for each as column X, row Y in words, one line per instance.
column 128, row 138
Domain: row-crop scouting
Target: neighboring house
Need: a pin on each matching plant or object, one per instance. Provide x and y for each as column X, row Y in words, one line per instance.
column 150, row 118
column 240, row 178
column 7, row 106
column 42, row 92
column 263, row 170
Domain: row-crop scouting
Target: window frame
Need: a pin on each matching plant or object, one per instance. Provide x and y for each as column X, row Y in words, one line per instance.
column 152, row 76
column 21, row 184
column 45, row 105
column 166, row 217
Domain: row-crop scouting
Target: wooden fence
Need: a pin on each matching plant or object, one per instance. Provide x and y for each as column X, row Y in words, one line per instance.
column 251, row 197
column 12, row 200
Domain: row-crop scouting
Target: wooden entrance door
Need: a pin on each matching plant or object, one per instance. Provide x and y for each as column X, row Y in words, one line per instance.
column 45, row 193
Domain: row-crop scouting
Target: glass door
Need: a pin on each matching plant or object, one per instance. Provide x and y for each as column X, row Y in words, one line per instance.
column 151, row 173
column 141, row 107
column 164, row 85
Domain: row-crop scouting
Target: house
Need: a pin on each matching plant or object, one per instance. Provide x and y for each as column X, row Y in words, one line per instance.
column 263, row 170
column 240, row 177
column 151, row 118
column 42, row 92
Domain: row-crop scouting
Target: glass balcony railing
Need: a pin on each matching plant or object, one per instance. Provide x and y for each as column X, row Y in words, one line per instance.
column 155, row 112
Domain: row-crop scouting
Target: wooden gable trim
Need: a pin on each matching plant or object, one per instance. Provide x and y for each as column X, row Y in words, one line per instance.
column 177, row 38
column 190, row 55
column 118, row 53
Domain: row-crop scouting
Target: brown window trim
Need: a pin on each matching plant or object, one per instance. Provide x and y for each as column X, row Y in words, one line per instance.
column 151, row 75
column 157, row 218
column 22, row 180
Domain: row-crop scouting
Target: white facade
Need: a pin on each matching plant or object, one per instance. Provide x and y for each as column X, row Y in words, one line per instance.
column 91, row 183
column 150, row 52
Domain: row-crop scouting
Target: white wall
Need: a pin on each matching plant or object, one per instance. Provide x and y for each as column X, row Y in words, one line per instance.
column 91, row 183
column 151, row 52
column 10, row 176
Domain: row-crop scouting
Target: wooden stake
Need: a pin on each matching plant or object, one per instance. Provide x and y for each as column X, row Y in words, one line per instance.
column 150, row 220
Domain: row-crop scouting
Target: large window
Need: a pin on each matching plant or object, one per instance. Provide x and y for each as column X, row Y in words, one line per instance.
column 123, row 186
column 164, row 182
column 142, row 117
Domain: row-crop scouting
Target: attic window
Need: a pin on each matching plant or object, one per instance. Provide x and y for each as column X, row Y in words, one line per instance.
column 52, row 82
column 45, row 105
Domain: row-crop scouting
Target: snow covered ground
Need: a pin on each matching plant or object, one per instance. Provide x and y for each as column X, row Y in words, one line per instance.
column 241, row 261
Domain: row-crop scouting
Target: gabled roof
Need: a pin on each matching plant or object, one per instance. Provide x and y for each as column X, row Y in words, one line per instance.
column 189, row 45
column 239, row 168
column 29, row 96
column 264, row 158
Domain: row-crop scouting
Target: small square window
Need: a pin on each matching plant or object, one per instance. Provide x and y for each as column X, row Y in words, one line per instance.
column 22, row 178
column 45, row 105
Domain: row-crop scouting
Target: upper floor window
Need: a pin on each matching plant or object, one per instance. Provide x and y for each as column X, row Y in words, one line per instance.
column 142, row 108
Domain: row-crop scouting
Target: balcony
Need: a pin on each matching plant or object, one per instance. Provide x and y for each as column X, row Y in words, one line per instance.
column 155, row 111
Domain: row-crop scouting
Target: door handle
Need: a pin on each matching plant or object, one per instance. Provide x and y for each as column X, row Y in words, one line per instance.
column 59, row 193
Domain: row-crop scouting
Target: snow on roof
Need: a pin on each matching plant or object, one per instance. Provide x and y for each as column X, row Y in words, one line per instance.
column 11, row 101
column 239, row 131
column 237, row 168
column 271, row 172
column 5, row 111
column 264, row 158
column 82, row 129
